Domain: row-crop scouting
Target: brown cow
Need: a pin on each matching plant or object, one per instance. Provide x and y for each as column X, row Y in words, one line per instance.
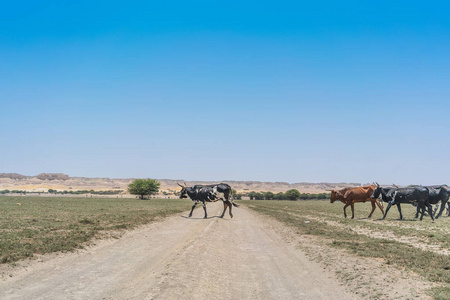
column 350, row 196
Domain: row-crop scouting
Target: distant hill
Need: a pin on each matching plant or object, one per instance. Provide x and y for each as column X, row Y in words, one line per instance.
column 257, row 186
column 12, row 176
column 59, row 181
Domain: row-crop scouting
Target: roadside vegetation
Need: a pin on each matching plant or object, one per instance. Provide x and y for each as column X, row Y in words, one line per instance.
column 292, row 194
column 38, row 225
column 417, row 246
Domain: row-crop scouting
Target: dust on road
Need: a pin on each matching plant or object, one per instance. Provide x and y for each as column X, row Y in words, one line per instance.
column 182, row 258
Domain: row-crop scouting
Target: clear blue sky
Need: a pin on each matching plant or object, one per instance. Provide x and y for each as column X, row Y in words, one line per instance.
column 337, row 91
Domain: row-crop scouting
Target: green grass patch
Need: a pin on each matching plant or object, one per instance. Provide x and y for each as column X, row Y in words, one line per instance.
column 43, row 225
column 441, row 293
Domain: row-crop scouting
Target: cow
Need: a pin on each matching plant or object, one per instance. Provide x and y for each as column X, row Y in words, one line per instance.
column 208, row 193
column 439, row 195
column 350, row 196
column 418, row 194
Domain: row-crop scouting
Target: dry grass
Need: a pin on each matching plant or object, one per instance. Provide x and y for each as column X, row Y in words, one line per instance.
column 31, row 225
column 418, row 246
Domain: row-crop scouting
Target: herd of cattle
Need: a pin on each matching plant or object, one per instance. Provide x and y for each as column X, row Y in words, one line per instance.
column 421, row 196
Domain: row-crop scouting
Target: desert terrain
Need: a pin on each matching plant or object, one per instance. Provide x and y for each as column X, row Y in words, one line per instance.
column 57, row 181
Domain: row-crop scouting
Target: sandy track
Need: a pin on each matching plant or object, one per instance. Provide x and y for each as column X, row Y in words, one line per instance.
column 182, row 258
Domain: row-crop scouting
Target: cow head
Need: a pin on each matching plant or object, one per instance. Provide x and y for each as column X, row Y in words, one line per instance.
column 334, row 196
column 377, row 191
column 187, row 191
column 184, row 191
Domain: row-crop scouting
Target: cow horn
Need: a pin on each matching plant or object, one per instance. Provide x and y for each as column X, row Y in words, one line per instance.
column 377, row 183
column 180, row 185
column 395, row 185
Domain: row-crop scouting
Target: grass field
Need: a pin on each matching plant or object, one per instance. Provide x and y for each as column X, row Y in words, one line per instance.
column 31, row 225
column 42, row 225
column 419, row 246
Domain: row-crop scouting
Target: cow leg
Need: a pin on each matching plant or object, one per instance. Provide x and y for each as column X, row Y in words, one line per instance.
column 193, row 206
column 436, row 208
column 204, row 208
column 387, row 209
column 379, row 206
column 224, row 208
column 443, row 204
column 417, row 211
column 400, row 211
column 373, row 208
column 353, row 210
column 345, row 206
column 230, row 206
column 423, row 206
column 430, row 211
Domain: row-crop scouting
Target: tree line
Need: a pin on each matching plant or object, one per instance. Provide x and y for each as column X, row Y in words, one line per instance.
column 292, row 194
column 147, row 187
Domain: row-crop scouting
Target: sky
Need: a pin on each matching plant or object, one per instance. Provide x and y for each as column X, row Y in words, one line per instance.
column 293, row 91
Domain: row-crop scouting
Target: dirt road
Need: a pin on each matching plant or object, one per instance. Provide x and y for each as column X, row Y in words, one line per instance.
column 181, row 258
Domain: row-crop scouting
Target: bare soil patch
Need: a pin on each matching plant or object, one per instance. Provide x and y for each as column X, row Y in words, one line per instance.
column 367, row 278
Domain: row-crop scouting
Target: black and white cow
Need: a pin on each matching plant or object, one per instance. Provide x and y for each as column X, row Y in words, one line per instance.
column 418, row 194
column 204, row 193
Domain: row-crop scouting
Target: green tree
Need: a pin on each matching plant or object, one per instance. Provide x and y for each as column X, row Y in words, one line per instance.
column 324, row 196
column 292, row 194
column 268, row 195
column 259, row 196
column 279, row 196
column 235, row 195
column 143, row 187
column 305, row 196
